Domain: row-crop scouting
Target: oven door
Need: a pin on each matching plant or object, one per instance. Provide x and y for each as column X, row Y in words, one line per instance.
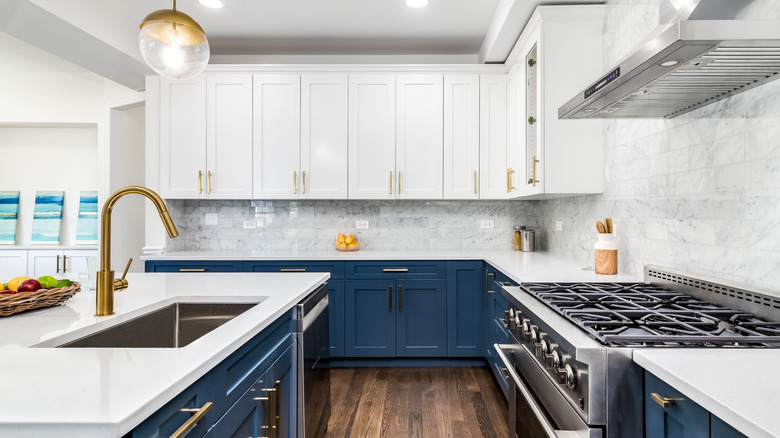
column 538, row 415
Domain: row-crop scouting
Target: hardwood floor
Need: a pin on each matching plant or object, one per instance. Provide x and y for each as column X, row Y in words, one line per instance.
column 428, row 402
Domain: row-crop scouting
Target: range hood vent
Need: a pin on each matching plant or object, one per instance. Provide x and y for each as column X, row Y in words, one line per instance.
column 691, row 62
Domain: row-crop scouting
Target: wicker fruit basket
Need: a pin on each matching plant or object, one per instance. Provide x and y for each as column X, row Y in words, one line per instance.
column 21, row 301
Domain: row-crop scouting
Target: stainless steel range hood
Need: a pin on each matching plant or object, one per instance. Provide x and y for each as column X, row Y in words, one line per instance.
column 705, row 52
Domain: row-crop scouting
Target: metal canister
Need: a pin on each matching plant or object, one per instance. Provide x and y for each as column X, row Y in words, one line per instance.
column 527, row 240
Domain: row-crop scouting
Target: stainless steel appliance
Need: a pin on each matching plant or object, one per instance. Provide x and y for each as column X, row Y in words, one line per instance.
column 570, row 351
column 313, row 327
column 703, row 51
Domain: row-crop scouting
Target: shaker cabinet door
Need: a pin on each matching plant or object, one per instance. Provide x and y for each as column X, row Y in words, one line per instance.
column 276, row 143
column 183, row 138
column 421, row 318
column 494, row 169
column 461, row 136
column 369, row 318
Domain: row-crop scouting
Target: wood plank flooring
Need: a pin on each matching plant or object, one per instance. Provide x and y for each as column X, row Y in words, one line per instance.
column 429, row 402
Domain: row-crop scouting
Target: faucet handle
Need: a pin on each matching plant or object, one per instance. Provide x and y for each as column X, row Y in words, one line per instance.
column 121, row 283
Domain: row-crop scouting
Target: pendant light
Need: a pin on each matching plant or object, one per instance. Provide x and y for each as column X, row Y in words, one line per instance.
column 173, row 44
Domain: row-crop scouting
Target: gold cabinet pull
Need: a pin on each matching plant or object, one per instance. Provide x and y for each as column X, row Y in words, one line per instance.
column 277, row 392
column 293, row 270
column 533, row 179
column 511, row 184
column 200, row 181
column 58, row 264
column 192, row 270
column 475, row 182
column 189, row 424
column 400, row 300
column 391, row 182
column 271, row 395
column 487, row 283
column 64, row 263
column 399, row 182
column 208, row 184
column 303, row 177
column 390, row 299
column 395, row 270
column 665, row 402
column 295, row 182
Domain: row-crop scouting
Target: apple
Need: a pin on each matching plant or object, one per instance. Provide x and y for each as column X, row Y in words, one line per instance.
column 7, row 292
column 30, row 285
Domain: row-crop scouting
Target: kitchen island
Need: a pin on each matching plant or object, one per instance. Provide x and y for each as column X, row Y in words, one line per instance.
column 106, row 392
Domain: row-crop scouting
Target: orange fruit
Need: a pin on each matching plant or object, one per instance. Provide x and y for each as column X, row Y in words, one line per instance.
column 349, row 239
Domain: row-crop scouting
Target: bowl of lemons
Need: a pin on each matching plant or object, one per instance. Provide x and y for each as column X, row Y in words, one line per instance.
column 347, row 242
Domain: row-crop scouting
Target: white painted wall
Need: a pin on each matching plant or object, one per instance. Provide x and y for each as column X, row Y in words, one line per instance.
column 48, row 158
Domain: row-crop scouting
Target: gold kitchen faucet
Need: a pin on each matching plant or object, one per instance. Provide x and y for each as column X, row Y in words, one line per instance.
column 106, row 284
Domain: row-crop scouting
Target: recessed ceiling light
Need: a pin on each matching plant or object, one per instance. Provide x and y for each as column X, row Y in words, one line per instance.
column 214, row 4
column 417, row 3
column 671, row 63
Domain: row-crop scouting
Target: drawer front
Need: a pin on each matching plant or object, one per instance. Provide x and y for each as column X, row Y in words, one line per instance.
column 336, row 269
column 194, row 266
column 175, row 413
column 502, row 279
column 396, row 269
column 234, row 375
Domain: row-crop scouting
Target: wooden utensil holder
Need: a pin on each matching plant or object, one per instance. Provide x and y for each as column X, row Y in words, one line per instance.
column 605, row 255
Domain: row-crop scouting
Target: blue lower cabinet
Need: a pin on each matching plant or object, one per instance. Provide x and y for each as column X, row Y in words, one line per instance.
column 721, row 429
column 465, row 308
column 266, row 409
column 682, row 418
column 336, row 317
column 369, row 318
column 194, row 266
column 178, row 411
column 421, row 318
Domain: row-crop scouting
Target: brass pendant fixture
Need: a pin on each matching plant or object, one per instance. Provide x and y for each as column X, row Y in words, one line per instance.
column 173, row 44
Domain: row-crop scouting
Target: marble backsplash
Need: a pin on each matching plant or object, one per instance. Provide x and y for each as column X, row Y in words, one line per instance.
column 700, row 192
column 301, row 225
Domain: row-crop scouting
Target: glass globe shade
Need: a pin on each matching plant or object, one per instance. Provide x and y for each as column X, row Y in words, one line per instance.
column 174, row 49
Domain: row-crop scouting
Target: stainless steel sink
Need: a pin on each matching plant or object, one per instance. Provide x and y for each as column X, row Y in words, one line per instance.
column 173, row 326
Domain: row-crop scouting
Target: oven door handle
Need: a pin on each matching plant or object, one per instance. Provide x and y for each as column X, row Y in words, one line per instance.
column 501, row 349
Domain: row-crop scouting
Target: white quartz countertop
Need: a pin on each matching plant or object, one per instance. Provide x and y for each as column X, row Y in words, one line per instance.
column 106, row 392
column 738, row 386
column 518, row 265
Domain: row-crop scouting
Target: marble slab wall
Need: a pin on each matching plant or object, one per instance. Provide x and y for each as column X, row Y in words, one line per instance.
column 700, row 192
column 393, row 225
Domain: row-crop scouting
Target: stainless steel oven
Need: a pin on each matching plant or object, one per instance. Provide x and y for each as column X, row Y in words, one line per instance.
column 314, row 365
column 536, row 407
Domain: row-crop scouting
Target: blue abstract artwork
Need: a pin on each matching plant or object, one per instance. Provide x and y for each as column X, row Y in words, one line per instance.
column 9, row 212
column 87, row 225
column 47, row 217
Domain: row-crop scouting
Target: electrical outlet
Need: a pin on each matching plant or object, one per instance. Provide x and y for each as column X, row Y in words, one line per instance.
column 212, row 219
column 250, row 224
column 558, row 225
column 361, row 225
column 487, row 223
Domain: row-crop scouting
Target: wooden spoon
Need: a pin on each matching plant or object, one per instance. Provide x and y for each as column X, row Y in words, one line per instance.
column 600, row 227
column 608, row 221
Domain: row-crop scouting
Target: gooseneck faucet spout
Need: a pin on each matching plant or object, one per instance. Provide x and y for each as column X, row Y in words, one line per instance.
column 106, row 285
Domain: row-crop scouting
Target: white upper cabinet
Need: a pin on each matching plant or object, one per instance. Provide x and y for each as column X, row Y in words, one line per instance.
column 229, row 137
column 419, row 129
column 323, row 136
column 554, row 59
column 372, row 136
column 495, row 173
column 461, row 136
column 206, row 137
column 276, row 145
column 183, row 138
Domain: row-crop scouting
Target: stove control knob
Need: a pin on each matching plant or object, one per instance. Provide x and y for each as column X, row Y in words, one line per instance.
column 511, row 313
column 571, row 376
column 525, row 327
column 532, row 335
column 518, row 323
column 554, row 360
column 543, row 346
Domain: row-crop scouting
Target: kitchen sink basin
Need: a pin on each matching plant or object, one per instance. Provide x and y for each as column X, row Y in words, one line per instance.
column 172, row 326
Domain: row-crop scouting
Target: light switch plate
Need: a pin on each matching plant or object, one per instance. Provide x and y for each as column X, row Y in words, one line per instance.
column 250, row 224
column 361, row 225
column 212, row 218
column 487, row 223
column 558, row 225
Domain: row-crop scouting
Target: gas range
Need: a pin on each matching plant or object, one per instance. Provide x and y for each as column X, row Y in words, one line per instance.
column 574, row 341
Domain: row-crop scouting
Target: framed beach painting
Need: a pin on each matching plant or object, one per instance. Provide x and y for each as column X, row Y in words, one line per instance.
column 47, row 217
column 87, row 225
column 9, row 212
